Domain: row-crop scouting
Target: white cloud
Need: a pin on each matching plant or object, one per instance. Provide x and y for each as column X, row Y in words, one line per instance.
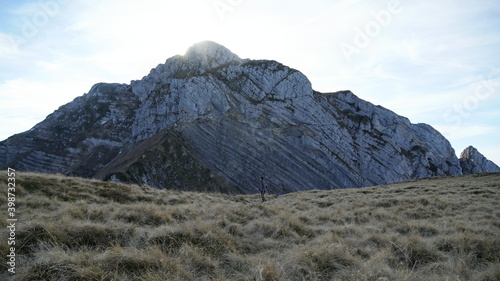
column 8, row 45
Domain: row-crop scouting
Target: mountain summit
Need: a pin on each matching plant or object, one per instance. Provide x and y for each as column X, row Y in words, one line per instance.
column 210, row 120
column 472, row 161
column 210, row 54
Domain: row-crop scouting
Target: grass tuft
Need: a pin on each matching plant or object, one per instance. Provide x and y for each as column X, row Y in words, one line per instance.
column 431, row 229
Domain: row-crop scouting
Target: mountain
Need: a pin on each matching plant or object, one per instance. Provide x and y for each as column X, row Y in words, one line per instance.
column 212, row 121
column 472, row 162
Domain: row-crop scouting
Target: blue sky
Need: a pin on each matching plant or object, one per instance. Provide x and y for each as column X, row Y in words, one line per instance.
column 435, row 62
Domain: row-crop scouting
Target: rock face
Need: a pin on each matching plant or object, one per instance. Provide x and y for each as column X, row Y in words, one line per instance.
column 210, row 120
column 472, row 161
column 79, row 138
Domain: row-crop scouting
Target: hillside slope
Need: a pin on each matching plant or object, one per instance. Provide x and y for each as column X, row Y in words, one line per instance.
column 430, row 229
column 235, row 120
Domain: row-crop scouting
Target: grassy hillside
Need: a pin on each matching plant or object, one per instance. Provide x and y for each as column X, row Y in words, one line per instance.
column 78, row 229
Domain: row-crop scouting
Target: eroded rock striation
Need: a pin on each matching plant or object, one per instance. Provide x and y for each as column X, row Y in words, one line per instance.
column 210, row 120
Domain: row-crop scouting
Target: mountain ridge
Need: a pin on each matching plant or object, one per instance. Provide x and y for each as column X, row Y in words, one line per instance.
column 232, row 120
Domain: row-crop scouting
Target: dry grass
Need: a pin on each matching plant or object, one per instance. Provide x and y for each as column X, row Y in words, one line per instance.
column 430, row 229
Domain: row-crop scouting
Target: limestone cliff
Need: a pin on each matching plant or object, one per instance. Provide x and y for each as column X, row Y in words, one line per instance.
column 210, row 120
column 472, row 161
column 79, row 138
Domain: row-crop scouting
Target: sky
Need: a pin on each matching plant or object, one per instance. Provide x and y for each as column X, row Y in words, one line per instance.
column 434, row 62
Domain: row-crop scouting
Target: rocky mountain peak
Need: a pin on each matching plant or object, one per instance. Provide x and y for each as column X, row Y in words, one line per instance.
column 209, row 120
column 469, row 153
column 472, row 161
column 208, row 54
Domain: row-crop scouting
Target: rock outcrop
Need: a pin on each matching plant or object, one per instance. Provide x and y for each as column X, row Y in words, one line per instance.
column 472, row 161
column 79, row 138
column 210, row 120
